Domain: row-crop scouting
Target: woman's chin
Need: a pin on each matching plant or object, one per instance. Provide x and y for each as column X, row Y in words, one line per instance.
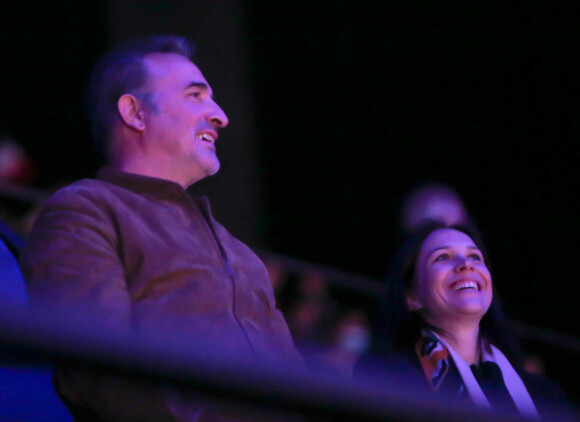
column 470, row 304
column 472, row 310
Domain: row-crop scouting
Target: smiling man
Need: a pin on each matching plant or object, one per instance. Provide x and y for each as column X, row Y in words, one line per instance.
column 134, row 250
column 172, row 134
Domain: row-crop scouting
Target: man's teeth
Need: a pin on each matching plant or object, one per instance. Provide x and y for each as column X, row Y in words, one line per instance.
column 207, row 137
column 472, row 285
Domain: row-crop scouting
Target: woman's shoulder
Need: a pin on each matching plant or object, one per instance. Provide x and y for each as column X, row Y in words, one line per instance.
column 540, row 384
column 549, row 398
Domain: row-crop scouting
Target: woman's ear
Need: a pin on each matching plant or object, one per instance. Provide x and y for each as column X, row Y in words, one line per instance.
column 413, row 303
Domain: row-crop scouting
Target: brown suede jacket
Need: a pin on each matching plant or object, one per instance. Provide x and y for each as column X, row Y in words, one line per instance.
column 141, row 253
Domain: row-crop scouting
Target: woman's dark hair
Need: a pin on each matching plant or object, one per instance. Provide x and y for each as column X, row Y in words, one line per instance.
column 399, row 328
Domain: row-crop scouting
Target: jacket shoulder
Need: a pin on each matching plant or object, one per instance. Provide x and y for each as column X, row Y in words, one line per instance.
column 88, row 188
column 88, row 195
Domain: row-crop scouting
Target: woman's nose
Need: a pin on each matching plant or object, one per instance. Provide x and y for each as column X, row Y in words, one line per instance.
column 464, row 263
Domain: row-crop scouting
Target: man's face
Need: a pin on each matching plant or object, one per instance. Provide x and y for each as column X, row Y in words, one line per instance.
column 181, row 126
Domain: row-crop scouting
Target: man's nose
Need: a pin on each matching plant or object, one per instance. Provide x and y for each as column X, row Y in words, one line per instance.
column 217, row 117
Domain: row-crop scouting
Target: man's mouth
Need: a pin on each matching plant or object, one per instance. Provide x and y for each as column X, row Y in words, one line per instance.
column 207, row 136
column 466, row 285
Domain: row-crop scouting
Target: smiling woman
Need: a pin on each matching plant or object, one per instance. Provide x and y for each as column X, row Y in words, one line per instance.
column 442, row 328
column 452, row 287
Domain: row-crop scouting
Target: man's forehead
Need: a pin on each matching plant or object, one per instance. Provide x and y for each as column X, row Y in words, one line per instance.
column 172, row 66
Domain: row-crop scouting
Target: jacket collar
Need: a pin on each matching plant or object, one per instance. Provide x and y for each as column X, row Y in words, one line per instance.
column 147, row 185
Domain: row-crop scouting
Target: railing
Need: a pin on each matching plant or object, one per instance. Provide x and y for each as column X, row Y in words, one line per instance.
column 36, row 336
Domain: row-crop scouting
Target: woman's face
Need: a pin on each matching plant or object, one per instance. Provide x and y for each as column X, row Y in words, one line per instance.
column 452, row 281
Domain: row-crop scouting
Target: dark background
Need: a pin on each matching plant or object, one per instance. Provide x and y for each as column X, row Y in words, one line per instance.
column 353, row 104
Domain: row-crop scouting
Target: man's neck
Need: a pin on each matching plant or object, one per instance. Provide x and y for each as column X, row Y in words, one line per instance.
column 156, row 169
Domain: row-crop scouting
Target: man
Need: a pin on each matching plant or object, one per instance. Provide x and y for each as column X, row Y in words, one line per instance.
column 133, row 250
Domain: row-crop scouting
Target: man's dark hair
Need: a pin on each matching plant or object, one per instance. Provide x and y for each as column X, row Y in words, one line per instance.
column 399, row 328
column 122, row 71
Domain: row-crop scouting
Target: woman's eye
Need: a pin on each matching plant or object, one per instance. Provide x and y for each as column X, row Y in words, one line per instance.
column 475, row 257
column 441, row 257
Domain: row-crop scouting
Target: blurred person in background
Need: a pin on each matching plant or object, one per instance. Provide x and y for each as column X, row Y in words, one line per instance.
column 432, row 201
column 16, row 166
column 17, row 198
column 350, row 338
column 278, row 274
column 311, row 313
column 444, row 333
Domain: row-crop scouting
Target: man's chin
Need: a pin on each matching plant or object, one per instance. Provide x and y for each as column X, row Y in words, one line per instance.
column 211, row 170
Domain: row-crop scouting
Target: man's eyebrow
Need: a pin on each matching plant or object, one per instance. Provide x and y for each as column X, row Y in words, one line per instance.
column 194, row 84
column 199, row 85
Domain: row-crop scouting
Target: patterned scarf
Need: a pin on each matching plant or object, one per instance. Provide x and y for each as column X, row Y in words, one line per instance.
column 502, row 385
column 434, row 358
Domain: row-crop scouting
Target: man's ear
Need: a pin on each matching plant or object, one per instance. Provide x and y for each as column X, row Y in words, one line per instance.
column 413, row 303
column 130, row 110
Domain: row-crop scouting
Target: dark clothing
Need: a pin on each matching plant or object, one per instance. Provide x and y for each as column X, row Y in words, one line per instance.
column 489, row 377
column 12, row 290
column 140, row 253
column 25, row 390
column 405, row 369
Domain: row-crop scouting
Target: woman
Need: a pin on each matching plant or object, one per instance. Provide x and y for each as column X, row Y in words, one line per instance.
column 443, row 325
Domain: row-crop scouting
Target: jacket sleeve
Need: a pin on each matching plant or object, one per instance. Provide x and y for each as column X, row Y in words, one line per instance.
column 71, row 262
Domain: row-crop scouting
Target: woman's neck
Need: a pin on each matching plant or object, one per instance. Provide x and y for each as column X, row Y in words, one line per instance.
column 465, row 341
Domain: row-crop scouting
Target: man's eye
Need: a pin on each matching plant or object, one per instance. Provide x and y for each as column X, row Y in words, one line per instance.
column 441, row 257
column 196, row 95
